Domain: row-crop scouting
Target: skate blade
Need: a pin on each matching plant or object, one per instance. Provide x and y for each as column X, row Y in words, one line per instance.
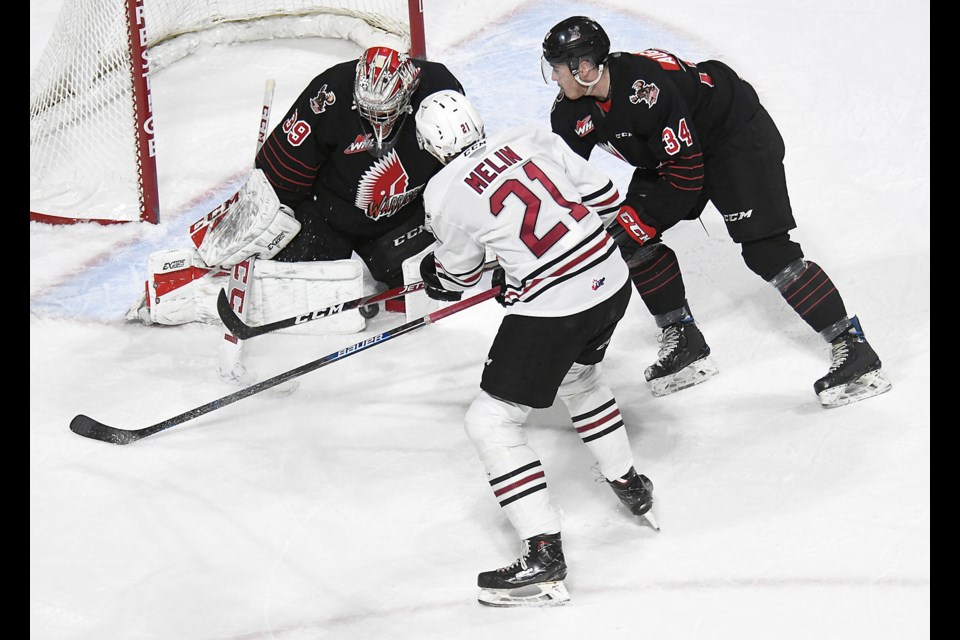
column 650, row 519
column 542, row 594
column 693, row 374
column 870, row 384
column 647, row 517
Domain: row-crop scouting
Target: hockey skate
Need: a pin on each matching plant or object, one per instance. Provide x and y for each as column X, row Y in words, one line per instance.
column 683, row 360
column 636, row 493
column 855, row 371
column 533, row 580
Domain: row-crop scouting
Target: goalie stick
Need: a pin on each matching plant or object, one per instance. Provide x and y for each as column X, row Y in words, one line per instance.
column 90, row 428
column 236, row 326
column 230, row 353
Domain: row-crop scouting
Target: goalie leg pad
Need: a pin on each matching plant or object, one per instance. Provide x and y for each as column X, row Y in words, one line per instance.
column 180, row 288
column 251, row 222
column 284, row 289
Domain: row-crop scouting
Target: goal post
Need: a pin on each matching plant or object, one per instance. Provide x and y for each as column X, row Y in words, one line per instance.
column 92, row 147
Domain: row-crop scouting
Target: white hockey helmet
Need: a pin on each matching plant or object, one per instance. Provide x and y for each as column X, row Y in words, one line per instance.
column 384, row 84
column 448, row 124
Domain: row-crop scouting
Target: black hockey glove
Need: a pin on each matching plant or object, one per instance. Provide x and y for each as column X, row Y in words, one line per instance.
column 431, row 281
column 637, row 226
column 499, row 279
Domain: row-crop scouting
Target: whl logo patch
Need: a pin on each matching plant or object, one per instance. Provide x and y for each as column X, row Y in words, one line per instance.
column 382, row 190
column 363, row 142
column 584, row 126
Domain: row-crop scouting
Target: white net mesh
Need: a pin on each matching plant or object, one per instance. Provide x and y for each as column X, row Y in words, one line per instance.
column 84, row 162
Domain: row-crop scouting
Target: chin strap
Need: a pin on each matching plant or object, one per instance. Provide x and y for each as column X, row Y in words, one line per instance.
column 590, row 85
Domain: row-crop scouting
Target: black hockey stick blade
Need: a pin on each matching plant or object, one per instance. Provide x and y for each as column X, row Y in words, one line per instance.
column 89, row 428
column 243, row 331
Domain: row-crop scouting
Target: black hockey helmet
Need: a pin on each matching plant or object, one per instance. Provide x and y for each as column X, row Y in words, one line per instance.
column 574, row 39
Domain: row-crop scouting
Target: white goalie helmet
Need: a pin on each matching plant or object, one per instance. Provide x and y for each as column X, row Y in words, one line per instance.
column 383, row 87
column 448, row 124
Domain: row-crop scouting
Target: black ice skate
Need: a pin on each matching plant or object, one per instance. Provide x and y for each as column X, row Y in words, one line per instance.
column 533, row 580
column 683, row 360
column 636, row 493
column 855, row 371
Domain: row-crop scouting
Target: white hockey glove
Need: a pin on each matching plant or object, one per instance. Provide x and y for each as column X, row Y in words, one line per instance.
column 252, row 221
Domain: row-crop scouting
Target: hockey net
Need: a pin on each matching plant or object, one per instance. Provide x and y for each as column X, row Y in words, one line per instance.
column 91, row 124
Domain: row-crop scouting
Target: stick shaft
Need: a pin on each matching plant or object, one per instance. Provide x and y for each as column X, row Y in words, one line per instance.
column 90, row 428
column 242, row 330
column 230, row 352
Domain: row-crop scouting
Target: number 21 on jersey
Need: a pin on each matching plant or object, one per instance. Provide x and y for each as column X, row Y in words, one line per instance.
column 538, row 245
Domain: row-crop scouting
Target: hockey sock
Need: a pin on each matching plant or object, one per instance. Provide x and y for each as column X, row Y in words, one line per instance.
column 516, row 477
column 597, row 419
column 809, row 291
column 658, row 280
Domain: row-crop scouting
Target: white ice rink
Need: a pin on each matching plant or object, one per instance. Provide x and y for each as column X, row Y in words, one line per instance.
column 355, row 507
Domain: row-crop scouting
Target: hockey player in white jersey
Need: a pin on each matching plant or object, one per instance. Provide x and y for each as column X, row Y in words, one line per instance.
column 540, row 209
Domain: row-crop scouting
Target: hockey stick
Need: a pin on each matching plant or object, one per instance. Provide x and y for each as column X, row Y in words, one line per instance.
column 243, row 331
column 90, row 428
column 230, row 353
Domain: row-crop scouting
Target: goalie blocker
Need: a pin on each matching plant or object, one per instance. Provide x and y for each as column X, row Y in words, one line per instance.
column 251, row 222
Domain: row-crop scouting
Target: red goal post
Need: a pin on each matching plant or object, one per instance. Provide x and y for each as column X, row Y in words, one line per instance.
column 92, row 151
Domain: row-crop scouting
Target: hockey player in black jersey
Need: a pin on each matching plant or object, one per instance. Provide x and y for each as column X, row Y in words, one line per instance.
column 341, row 173
column 696, row 133
column 345, row 159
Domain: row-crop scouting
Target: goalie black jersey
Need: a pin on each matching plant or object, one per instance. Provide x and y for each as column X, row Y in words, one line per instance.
column 662, row 115
column 322, row 148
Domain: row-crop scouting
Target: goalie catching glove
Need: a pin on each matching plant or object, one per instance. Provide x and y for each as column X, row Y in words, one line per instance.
column 431, row 281
column 251, row 222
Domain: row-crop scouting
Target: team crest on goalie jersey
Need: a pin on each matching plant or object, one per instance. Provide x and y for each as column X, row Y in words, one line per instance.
column 382, row 191
column 643, row 92
column 323, row 99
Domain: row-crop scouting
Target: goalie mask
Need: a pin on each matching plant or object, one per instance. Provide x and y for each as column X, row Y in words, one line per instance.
column 448, row 124
column 384, row 84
